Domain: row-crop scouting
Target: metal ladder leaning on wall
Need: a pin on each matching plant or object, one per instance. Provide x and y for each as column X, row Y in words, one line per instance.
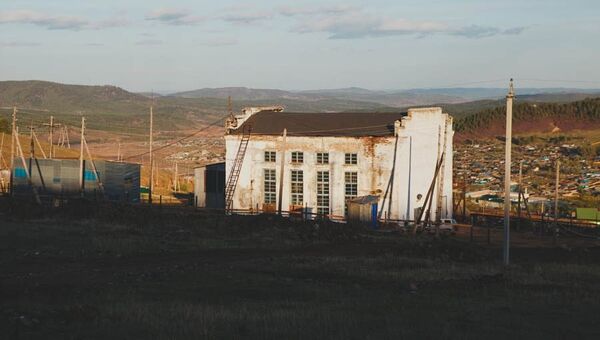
column 234, row 175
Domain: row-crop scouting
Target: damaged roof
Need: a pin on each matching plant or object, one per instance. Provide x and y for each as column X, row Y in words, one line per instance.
column 343, row 124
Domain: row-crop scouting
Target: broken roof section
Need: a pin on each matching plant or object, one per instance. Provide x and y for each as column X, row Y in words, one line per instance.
column 342, row 124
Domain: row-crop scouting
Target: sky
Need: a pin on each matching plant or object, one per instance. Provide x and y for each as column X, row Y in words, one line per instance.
column 168, row 46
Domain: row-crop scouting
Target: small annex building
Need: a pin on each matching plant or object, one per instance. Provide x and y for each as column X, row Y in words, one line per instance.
column 209, row 186
column 326, row 159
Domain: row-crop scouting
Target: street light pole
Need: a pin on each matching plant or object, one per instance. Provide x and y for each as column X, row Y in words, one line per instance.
column 507, row 167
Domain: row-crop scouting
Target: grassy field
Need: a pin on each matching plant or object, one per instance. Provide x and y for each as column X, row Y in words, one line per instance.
column 89, row 272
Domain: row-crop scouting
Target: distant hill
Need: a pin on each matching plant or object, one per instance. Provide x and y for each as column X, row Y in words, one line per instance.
column 531, row 117
column 112, row 108
column 106, row 107
column 355, row 94
column 238, row 93
column 395, row 98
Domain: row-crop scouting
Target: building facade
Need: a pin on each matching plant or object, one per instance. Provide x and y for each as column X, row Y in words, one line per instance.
column 327, row 159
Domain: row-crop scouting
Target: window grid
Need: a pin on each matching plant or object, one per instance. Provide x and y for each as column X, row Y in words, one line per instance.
column 350, row 158
column 297, row 157
column 322, row 158
column 270, row 186
column 270, row 156
column 350, row 187
column 297, row 185
column 323, row 192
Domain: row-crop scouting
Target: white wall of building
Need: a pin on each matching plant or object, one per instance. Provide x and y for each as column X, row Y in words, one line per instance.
column 413, row 174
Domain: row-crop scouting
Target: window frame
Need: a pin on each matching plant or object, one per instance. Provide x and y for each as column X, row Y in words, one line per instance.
column 270, row 156
column 296, row 187
column 297, row 157
column 323, row 192
column 269, row 186
column 322, row 158
column 351, row 158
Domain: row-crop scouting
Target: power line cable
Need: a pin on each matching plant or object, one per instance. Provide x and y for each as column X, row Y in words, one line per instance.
column 220, row 120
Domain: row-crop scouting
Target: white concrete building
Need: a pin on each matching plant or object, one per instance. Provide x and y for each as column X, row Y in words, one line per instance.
column 328, row 158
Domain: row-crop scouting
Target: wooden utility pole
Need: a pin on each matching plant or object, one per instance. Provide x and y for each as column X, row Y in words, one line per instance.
column 119, row 152
column 51, row 137
column 557, row 185
column 507, row 168
column 12, row 147
column 39, row 145
column 520, row 193
column 14, row 135
column 31, row 147
column 281, row 173
column 3, row 164
column 175, row 179
column 81, row 170
column 439, row 208
column 464, row 196
column 151, row 177
column 27, row 172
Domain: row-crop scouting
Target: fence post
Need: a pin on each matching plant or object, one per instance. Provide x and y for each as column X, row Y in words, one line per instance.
column 472, row 226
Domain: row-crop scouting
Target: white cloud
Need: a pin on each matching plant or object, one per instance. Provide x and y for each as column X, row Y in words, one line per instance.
column 173, row 16
column 42, row 19
column 57, row 22
column 348, row 22
column 245, row 14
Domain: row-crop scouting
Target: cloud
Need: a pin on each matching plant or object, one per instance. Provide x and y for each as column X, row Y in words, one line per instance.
column 19, row 44
column 44, row 20
column 56, row 22
column 346, row 22
column 476, row 31
column 245, row 14
column 356, row 24
column 149, row 42
column 172, row 16
column 247, row 18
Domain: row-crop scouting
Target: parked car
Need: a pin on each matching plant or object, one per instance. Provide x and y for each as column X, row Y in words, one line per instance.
column 447, row 227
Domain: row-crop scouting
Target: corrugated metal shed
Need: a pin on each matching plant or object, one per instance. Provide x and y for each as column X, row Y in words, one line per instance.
column 60, row 177
column 363, row 209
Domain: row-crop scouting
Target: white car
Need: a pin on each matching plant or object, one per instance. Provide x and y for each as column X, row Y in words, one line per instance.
column 447, row 227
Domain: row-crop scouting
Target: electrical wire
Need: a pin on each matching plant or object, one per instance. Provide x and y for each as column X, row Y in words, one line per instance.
column 218, row 121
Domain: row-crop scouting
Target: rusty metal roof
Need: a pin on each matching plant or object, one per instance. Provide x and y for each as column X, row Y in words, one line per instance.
column 343, row 124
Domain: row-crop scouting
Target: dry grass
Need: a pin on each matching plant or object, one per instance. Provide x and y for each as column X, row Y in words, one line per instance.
column 177, row 275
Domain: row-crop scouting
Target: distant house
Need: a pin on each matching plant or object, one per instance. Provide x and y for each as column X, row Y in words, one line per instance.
column 327, row 159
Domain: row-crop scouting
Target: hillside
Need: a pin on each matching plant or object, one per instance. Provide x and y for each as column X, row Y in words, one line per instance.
column 111, row 108
column 106, row 107
column 532, row 117
column 353, row 94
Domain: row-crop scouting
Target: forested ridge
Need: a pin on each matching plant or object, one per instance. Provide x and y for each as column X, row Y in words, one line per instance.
column 578, row 111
